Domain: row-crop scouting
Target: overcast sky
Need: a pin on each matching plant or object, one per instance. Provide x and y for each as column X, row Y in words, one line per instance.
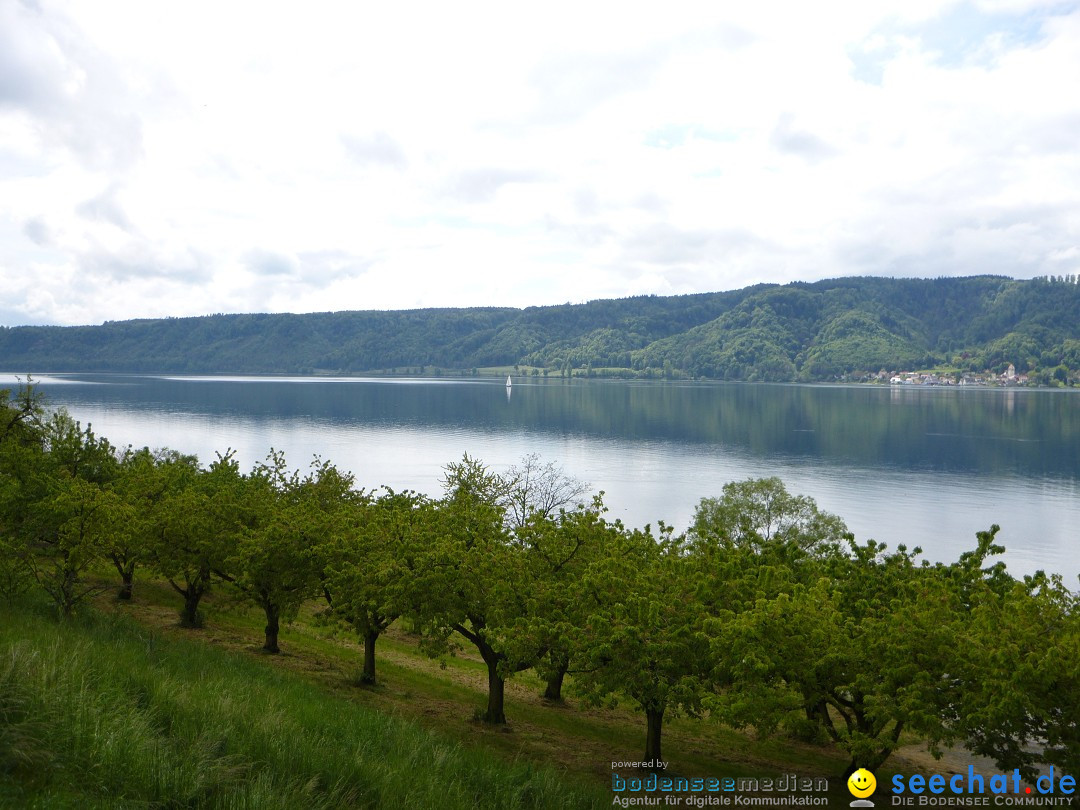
column 192, row 157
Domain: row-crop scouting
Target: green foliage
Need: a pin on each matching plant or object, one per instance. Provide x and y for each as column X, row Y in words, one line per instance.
column 757, row 340
column 642, row 629
column 369, row 567
column 282, row 519
column 1017, row 349
column 63, row 512
column 22, row 415
column 858, row 340
column 765, row 332
column 145, row 480
column 867, row 651
column 558, row 550
column 191, row 528
column 473, row 580
column 16, row 575
column 22, row 418
column 758, row 512
column 76, row 524
column 1019, row 678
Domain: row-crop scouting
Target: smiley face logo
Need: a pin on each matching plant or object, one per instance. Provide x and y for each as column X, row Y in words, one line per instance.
column 861, row 783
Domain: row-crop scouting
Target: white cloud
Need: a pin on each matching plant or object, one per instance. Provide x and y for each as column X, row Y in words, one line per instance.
column 105, row 207
column 378, row 148
column 199, row 157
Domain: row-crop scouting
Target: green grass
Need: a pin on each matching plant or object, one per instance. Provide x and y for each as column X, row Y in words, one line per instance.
column 580, row 741
column 444, row 696
column 123, row 708
column 102, row 712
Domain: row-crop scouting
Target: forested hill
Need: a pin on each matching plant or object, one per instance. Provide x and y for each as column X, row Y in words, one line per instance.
column 806, row 331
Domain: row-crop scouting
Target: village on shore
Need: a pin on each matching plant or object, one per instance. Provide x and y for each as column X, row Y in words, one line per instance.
column 1008, row 378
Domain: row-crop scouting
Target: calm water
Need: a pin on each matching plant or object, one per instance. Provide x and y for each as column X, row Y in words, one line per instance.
column 926, row 467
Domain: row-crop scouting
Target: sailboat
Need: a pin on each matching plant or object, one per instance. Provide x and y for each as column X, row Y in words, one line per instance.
column 508, row 381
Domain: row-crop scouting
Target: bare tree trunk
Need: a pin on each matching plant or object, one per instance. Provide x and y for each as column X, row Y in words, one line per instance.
column 272, row 625
column 496, row 713
column 126, row 584
column 126, row 569
column 553, row 692
column 370, row 637
column 190, row 615
column 196, row 587
column 655, row 720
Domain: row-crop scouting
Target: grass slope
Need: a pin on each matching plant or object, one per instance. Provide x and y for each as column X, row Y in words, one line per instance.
column 103, row 712
column 446, row 695
column 123, row 708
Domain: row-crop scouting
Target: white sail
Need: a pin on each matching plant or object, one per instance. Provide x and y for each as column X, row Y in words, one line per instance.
column 508, row 382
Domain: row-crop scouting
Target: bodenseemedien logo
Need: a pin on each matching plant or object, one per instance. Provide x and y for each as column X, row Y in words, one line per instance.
column 656, row 789
column 862, row 784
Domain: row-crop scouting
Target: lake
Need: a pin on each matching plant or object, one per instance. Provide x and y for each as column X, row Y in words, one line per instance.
column 901, row 464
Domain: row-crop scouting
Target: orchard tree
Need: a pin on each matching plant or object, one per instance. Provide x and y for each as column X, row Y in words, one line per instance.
column 867, row 652
column 137, row 469
column 69, row 511
column 538, row 489
column 1020, row 676
column 559, row 550
column 475, row 581
column 538, row 497
column 145, row 481
column 76, row 522
column 22, row 419
column 283, row 518
column 751, row 545
column 77, row 452
column 193, row 528
column 370, row 566
column 22, row 415
column 642, row 630
column 760, row 512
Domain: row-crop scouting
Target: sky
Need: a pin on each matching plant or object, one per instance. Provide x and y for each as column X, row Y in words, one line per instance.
column 175, row 159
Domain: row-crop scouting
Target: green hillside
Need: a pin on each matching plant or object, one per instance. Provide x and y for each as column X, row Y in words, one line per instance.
column 800, row 331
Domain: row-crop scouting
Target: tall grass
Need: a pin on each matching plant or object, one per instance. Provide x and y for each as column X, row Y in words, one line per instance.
column 99, row 712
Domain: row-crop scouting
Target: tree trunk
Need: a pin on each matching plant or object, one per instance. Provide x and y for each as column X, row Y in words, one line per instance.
column 273, row 613
column 196, row 586
column 655, row 720
column 819, row 720
column 66, row 591
column 553, row 692
column 127, row 581
column 126, row 569
column 190, row 616
column 873, row 761
column 495, row 714
column 370, row 637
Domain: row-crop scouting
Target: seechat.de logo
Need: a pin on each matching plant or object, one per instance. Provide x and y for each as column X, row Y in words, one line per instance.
column 862, row 784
